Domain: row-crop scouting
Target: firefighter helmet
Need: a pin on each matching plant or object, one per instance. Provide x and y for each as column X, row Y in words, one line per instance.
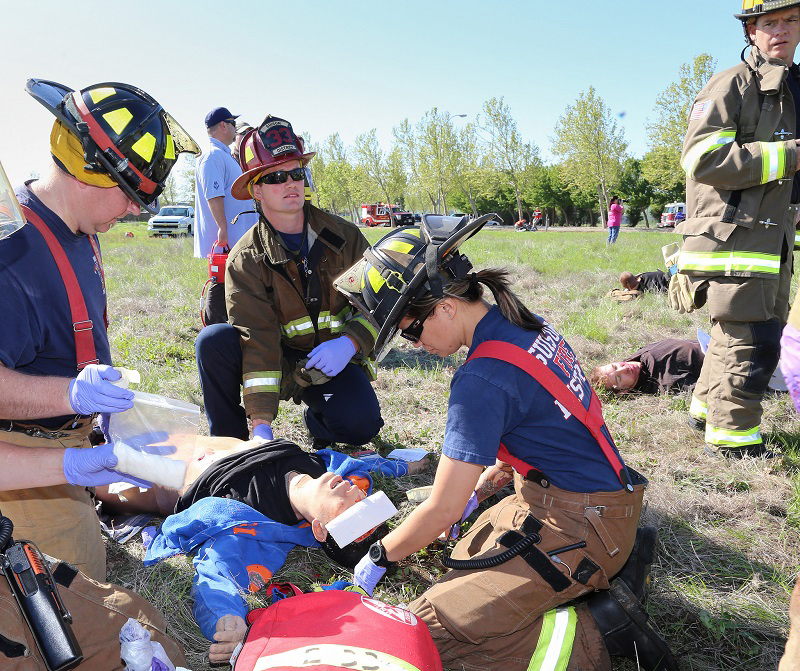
column 272, row 143
column 756, row 8
column 403, row 266
column 123, row 131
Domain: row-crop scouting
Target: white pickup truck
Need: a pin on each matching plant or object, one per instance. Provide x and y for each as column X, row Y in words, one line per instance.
column 172, row 220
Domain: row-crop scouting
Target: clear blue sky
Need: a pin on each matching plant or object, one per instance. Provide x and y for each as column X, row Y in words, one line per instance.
column 352, row 66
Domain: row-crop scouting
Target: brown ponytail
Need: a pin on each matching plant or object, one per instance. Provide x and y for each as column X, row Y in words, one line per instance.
column 469, row 290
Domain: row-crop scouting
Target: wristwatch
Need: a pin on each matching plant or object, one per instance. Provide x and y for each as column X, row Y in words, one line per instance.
column 377, row 555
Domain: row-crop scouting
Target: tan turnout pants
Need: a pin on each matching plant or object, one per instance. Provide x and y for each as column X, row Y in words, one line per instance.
column 490, row 619
column 61, row 519
column 747, row 316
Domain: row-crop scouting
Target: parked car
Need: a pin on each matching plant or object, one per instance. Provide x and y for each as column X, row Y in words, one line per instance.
column 172, row 220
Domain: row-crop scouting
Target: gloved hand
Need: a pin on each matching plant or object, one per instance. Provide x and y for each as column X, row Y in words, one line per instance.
column 366, row 574
column 92, row 467
column 263, row 431
column 332, row 356
column 455, row 530
column 790, row 362
column 681, row 295
column 91, row 392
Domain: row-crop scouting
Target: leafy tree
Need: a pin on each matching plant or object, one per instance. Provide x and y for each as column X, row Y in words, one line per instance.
column 373, row 163
column 637, row 191
column 551, row 192
column 510, row 155
column 407, row 141
column 591, row 147
column 665, row 134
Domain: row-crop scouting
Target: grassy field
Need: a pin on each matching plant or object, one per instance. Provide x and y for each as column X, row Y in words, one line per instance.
column 729, row 530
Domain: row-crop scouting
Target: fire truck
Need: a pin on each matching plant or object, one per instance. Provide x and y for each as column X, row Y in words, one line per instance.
column 381, row 214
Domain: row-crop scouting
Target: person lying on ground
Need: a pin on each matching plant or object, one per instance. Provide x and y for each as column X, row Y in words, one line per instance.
column 660, row 367
column 656, row 281
column 244, row 514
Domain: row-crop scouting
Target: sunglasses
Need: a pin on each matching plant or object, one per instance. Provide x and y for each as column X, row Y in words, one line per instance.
column 413, row 332
column 280, row 176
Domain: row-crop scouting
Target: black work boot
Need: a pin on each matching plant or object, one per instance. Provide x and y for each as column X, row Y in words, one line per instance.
column 622, row 620
column 697, row 424
column 635, row 573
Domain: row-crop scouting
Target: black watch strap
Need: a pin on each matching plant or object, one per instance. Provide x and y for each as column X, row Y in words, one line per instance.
column 377, row 555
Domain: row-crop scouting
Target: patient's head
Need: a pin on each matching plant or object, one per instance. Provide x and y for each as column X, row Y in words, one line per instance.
column 320, row 500
column 618, row 376
column 628, row 280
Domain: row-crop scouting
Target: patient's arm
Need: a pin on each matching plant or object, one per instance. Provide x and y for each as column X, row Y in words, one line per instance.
column 198, row 451
column 230, row 632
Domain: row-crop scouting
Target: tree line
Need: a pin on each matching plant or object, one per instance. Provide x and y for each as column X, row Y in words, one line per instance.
column 440, row 164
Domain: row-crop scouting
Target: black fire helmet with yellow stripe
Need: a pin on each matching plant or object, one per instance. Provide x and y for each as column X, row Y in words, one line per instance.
column 124, row 133
column 405, row 265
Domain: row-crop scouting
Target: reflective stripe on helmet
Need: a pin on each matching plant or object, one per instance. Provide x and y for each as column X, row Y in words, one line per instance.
column 751, row 262
column 262, row 381
column 102, row 140
column 710, row 143
column 101, row 93
column 118, row 119
column 556, row 638
column 145, row 146
column 731, row 438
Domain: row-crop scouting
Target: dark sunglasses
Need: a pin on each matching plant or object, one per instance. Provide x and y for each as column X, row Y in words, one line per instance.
column 413, row 332
column 280, row 176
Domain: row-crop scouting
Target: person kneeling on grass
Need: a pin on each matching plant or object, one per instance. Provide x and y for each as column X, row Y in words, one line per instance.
column 520, row 404
column 242, row 517
column 660, row 367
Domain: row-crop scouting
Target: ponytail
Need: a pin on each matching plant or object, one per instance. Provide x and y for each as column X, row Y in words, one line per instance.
column 469, row 290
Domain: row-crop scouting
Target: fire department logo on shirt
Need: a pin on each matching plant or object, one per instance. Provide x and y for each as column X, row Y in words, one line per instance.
column 699, row 110
column 392, row 612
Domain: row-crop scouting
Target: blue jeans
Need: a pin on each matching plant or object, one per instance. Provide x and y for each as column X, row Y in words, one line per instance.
column 613, row 232
column 343, row 410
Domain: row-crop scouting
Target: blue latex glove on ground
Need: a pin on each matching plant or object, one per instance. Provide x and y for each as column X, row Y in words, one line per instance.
column 263, row 431
column 367, row 575
column 93, row 467
column 332, row 356
column 92, row 392
column 790, row 362
column 455, row 530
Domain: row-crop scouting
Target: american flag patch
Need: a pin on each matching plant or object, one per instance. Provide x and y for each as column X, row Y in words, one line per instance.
column 699, row 110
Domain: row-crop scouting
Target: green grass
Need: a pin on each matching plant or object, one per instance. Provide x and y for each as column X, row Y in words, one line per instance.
column 729, row 530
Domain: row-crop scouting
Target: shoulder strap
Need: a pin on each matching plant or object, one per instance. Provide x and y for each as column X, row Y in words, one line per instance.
column 592, row 418
column 81, row 324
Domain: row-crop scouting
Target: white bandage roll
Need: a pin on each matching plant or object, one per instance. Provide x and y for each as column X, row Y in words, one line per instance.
column 155, row 468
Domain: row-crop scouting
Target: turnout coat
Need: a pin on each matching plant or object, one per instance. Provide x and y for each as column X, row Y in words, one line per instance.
column 740, row 157
column 271, row 308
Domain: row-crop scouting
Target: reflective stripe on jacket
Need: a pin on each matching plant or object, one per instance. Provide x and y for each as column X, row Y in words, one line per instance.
column 265, row 303
column 740, row 157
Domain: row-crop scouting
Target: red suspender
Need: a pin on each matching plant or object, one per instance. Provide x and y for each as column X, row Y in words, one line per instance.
column 592, row 418
column 81, row 324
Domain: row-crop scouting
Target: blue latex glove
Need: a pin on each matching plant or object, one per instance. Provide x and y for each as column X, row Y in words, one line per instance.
column 91, row 392
column 92, row 467
column 455, row 530
column 263, row 431
column 367, row 574
column 790, row 362
column 332, row 356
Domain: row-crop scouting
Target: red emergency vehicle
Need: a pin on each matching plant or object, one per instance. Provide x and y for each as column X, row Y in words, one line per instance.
column 381, row 214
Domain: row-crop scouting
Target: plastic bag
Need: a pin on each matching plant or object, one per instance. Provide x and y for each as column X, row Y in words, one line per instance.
column 155, row 439
column 140, row 653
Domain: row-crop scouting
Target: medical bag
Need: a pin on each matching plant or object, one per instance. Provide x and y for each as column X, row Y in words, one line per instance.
column 212, row 299
column 334, row 630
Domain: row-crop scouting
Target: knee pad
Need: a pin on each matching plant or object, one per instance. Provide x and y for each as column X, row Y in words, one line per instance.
column 766, row 353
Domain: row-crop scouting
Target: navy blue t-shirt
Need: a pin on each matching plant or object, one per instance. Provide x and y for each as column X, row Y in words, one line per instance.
column 37, row 337
column 493, row 402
